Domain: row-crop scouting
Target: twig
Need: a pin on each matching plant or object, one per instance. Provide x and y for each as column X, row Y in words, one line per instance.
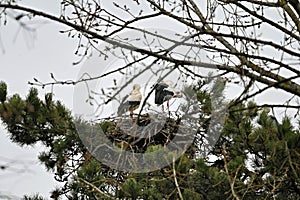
column 94, row 187
column 231, row 180
column 290, row 160
column 175, row 179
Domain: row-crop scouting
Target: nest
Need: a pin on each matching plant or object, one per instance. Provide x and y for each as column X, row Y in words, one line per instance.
column 141, row 143
column 138, row 133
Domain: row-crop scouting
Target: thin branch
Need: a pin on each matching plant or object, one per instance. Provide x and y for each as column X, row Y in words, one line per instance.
column 290, row 86
column 231, row 180
column 175, row 179
column 264, row 76
column 292, row 15
column 94, row 187
column 72, row 82
column 290, row 160
column 238, row 100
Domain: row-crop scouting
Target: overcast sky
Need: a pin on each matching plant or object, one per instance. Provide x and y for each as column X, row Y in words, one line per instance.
column 25, row 56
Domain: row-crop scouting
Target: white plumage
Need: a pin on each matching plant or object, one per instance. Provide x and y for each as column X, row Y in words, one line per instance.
column 131, row 102
column 135, row 94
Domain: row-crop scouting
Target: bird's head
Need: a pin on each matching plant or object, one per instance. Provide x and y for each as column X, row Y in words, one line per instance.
column 136, row 87
column 168, row 82
column 165, row 83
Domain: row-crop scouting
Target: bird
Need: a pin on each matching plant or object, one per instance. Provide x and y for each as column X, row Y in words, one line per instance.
column 164, row 91
column 131, row 102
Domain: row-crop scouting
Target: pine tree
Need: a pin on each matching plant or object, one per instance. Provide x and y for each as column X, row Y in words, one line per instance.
column 257, row 156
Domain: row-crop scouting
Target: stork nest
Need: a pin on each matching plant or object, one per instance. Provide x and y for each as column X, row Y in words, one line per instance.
column 137, row 133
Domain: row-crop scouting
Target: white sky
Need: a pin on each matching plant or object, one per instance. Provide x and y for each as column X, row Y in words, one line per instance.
column 22, row 58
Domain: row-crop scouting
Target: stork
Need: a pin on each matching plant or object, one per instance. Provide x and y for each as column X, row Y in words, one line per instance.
column 131, row 102
column 164, row 91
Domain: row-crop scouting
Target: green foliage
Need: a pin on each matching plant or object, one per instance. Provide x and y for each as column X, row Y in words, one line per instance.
column 34, row 120
column 256, row 153
column 3, row 91
column 92, row 173
column 106, row 126
column 131, row 188
column 272, row 147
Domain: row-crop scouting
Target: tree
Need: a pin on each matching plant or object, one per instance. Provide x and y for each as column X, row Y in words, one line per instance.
column 230, row 37
column 257, row 156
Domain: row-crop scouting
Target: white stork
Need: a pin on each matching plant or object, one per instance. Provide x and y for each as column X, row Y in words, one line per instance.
column 164, row 91
column 131, row 102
